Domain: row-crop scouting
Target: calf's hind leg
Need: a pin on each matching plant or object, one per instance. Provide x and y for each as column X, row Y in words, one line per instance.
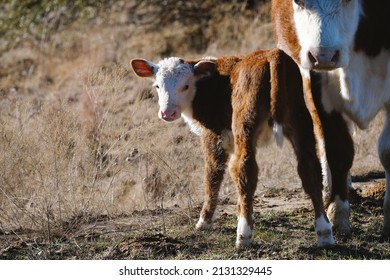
column 243, row 168
column 244, row 172
column 215, row 158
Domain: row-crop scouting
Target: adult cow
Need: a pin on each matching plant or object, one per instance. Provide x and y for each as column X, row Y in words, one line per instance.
column 350, row 41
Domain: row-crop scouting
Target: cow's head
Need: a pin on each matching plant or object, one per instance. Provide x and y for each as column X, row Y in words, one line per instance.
column 325, row 30
column 175, row 82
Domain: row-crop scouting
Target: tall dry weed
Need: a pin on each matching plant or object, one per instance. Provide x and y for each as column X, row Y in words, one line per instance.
column 42, row 158
column 62, row 162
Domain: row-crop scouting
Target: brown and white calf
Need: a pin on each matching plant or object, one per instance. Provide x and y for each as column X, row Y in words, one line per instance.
column 248, row 97
column 349, row 40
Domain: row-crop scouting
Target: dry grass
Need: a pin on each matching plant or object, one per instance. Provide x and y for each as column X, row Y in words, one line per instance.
column 79, row 134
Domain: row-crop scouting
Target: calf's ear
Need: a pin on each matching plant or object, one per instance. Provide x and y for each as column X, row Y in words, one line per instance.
column 204, row 68
column 143, row 68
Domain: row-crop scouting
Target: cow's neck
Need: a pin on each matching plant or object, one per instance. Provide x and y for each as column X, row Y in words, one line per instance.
column 364, row 87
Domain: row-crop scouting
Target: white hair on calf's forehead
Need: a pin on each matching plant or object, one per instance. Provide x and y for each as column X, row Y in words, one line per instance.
column 211, row 58
column 173, row 66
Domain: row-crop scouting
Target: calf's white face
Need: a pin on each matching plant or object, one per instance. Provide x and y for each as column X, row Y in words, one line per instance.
column 325, row 30
column 175, row 82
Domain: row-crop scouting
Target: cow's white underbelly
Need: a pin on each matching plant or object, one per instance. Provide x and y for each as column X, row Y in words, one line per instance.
column 361, row 90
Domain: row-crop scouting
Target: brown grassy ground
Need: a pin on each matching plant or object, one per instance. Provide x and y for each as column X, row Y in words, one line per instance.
column 87, row 171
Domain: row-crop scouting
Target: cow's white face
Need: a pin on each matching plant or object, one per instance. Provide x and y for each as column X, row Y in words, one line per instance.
column 326, row 31
column 175, row 82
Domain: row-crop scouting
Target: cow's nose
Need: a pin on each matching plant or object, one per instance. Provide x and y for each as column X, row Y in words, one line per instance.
column 169, row 115
column 324, row 58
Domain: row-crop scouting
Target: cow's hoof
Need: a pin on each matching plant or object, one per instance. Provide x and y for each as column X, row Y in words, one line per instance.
column 325, row 239
column 386, row 232
column 324, row 232
column 338, row 214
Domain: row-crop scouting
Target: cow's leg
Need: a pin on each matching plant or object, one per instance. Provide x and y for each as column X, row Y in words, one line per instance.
column 340, row 153
column 215, row 158
column 304, row 151
column 384, row 155
column 244, row 172
column 309, row 170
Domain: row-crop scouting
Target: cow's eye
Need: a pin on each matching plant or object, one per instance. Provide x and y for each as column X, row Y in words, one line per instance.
column 185, row 87
column 156, row 86
column 300, row 3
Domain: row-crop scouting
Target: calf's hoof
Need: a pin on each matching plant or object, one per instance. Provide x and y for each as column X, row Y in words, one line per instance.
column 203, row 225
column 244, row 233
column 243, row 242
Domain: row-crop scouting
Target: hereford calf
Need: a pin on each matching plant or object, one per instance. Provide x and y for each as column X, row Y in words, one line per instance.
column 244, row 97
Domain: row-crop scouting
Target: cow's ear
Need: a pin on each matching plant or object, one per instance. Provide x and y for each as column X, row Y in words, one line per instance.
column 143, row 68
column 204, row 68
